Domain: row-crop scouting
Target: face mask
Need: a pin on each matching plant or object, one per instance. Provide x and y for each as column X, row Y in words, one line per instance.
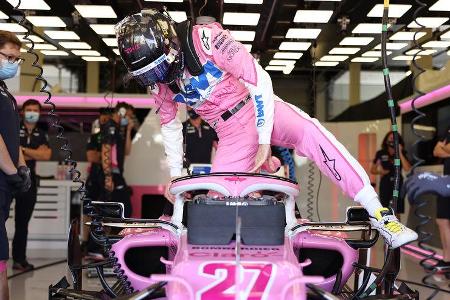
column 123, row 122
column 31, row 116
column 391, row 144
column 192, row 114
column 8, row 70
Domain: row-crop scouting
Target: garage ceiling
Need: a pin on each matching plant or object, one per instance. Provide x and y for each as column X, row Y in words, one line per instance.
column 286, row 35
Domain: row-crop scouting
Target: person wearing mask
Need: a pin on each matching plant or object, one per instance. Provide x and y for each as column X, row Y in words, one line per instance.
column 383, row 165
column 14, row 174
column 116, row 144
column 35, row 147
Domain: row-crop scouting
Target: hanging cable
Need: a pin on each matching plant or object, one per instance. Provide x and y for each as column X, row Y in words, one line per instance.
column 201, row 8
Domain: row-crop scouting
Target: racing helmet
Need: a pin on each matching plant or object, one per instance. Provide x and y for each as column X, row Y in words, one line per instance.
column 149, row 47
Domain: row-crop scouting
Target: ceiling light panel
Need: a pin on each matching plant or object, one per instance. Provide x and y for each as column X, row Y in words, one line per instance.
column 326, row 63
column 3, row 16
column 75, row 45
column 424, row 52
column 370, row 28
column 344, row 50
column 103, row 29
column 116, row 51
column 54, row 53
column 34, row 38
column 356, row 41
column 244, row 1
column 46, row 21
column 445, row 36
column 395, row 10
column 243, row 35
column 440, row 5
column 428, row 22
column 275, row 68
column 303, row 33
column 112, row 42
column 407, row 35
column 13, row 27
column 312, row 16
column 365, row 59
column 288, row 55
column 437, row 44
column 61, row 35
column 334, row 58
column 288, row 69
column 233, row 18
column 178, row 16
column 295, row 46
column 163, row 0
column 281, row 62
column 392, row 46
column 30, row 4
column 406, row 57
column 42, row 46
column 94, row 58
column 86, row 52
column 375, row 53
column 96, row 11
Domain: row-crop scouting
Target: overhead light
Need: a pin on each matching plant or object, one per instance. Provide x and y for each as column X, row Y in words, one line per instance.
column 112, row 42
column 407, row 73
column 46, row 21
column 54, row 53
column 355, row 41
column 288, row 55
column 395, row 10
column 344, row 50
column 116, row 51
column 288, row 69
column 34, row 38
column 392, row 46
column 440, row 5
column 333, row 57
column 275, row 68
column 178, row 16
column 234, row 18
column 13, row 27
column 323, row 0
column 42, row 46
column 30, row 4
column 407, row 35
column 436, row 44
column 365, row 59
column 303, row 33
column 448, row 52
column 103, row 28
column 94, row 58
column 297, row 46
column 406, row 57
column 375, row 53
column 326, row 63
column 428, row 22
column 75, row 45
column 244, row 1
column 281, row 62
column 368, row 28
column 86, row 52
column 243, row 35
column 445, row 36
column 61, row 35
column 423, row 52
column 248, row 47
column 3, row 16
column 312, row 16
column 96, row 11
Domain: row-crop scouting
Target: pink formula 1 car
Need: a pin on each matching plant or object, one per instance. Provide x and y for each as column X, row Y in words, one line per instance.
column 236, row 238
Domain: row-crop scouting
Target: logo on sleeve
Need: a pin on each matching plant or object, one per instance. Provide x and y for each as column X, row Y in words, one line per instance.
column 331, row 165
column 259, row 111
column 205, row 38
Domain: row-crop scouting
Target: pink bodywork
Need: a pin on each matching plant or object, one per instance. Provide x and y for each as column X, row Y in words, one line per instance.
column 210, row 272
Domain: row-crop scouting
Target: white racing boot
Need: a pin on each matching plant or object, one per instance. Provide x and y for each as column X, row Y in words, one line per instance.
column 395, row 233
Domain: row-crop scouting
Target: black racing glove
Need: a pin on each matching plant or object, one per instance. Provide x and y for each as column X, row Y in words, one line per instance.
column 426, row 183
column 15, row 183
column 25, row 174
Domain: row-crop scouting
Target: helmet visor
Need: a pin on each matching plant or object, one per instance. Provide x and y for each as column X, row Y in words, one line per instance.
column 153, row 73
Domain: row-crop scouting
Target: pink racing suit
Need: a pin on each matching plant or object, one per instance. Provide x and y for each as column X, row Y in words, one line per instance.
column 230, row 75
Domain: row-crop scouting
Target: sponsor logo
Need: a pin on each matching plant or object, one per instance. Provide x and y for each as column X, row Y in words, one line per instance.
column 217, row 36
column 259, row 111
column 205, row 38
column 220, row 42
column 232, row 51
column 234, row 203
column 226, row 45
column 260, row 122
column 331, row 165
column 133, row 48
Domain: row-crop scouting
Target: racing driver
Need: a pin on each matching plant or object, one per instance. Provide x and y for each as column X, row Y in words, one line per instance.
column 203, row 67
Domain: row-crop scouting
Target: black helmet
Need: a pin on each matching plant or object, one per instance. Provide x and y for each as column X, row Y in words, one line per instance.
column 149, row 47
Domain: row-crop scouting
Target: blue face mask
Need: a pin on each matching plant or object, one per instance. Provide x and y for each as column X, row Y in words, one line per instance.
column 31, row 116
column 123, row 122
column 7, row 69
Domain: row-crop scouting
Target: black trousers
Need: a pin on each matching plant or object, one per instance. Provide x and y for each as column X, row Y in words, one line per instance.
column 5, row 202
column 121, row 193
column 25, row 203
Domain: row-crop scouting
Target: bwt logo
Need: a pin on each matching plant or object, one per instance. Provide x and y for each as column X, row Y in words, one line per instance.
column 132, row 48
column 259, row 111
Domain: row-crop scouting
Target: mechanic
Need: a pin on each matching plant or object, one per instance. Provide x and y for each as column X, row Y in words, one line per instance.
column 205, row 68
column 115, row 146
column 14, row 174
column 34, row 144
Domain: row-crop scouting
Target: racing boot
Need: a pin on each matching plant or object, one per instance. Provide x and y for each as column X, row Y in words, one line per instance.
column 394, row 233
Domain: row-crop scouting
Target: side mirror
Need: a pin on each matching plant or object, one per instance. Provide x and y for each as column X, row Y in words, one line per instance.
column 357, row 214
column 109, row 209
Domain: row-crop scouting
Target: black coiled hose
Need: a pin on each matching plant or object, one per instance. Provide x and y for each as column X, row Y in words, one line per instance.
column 424, row 236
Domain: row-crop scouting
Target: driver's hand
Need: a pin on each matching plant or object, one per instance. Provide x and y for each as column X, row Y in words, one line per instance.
column 262, row 156
column 169, row 196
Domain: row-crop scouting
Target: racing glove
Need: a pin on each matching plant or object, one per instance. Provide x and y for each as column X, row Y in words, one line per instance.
column 25, row 174
column 426, row 183
column 15, row 183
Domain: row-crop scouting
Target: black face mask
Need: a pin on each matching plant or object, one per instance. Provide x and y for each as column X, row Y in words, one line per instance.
column 192, row 114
